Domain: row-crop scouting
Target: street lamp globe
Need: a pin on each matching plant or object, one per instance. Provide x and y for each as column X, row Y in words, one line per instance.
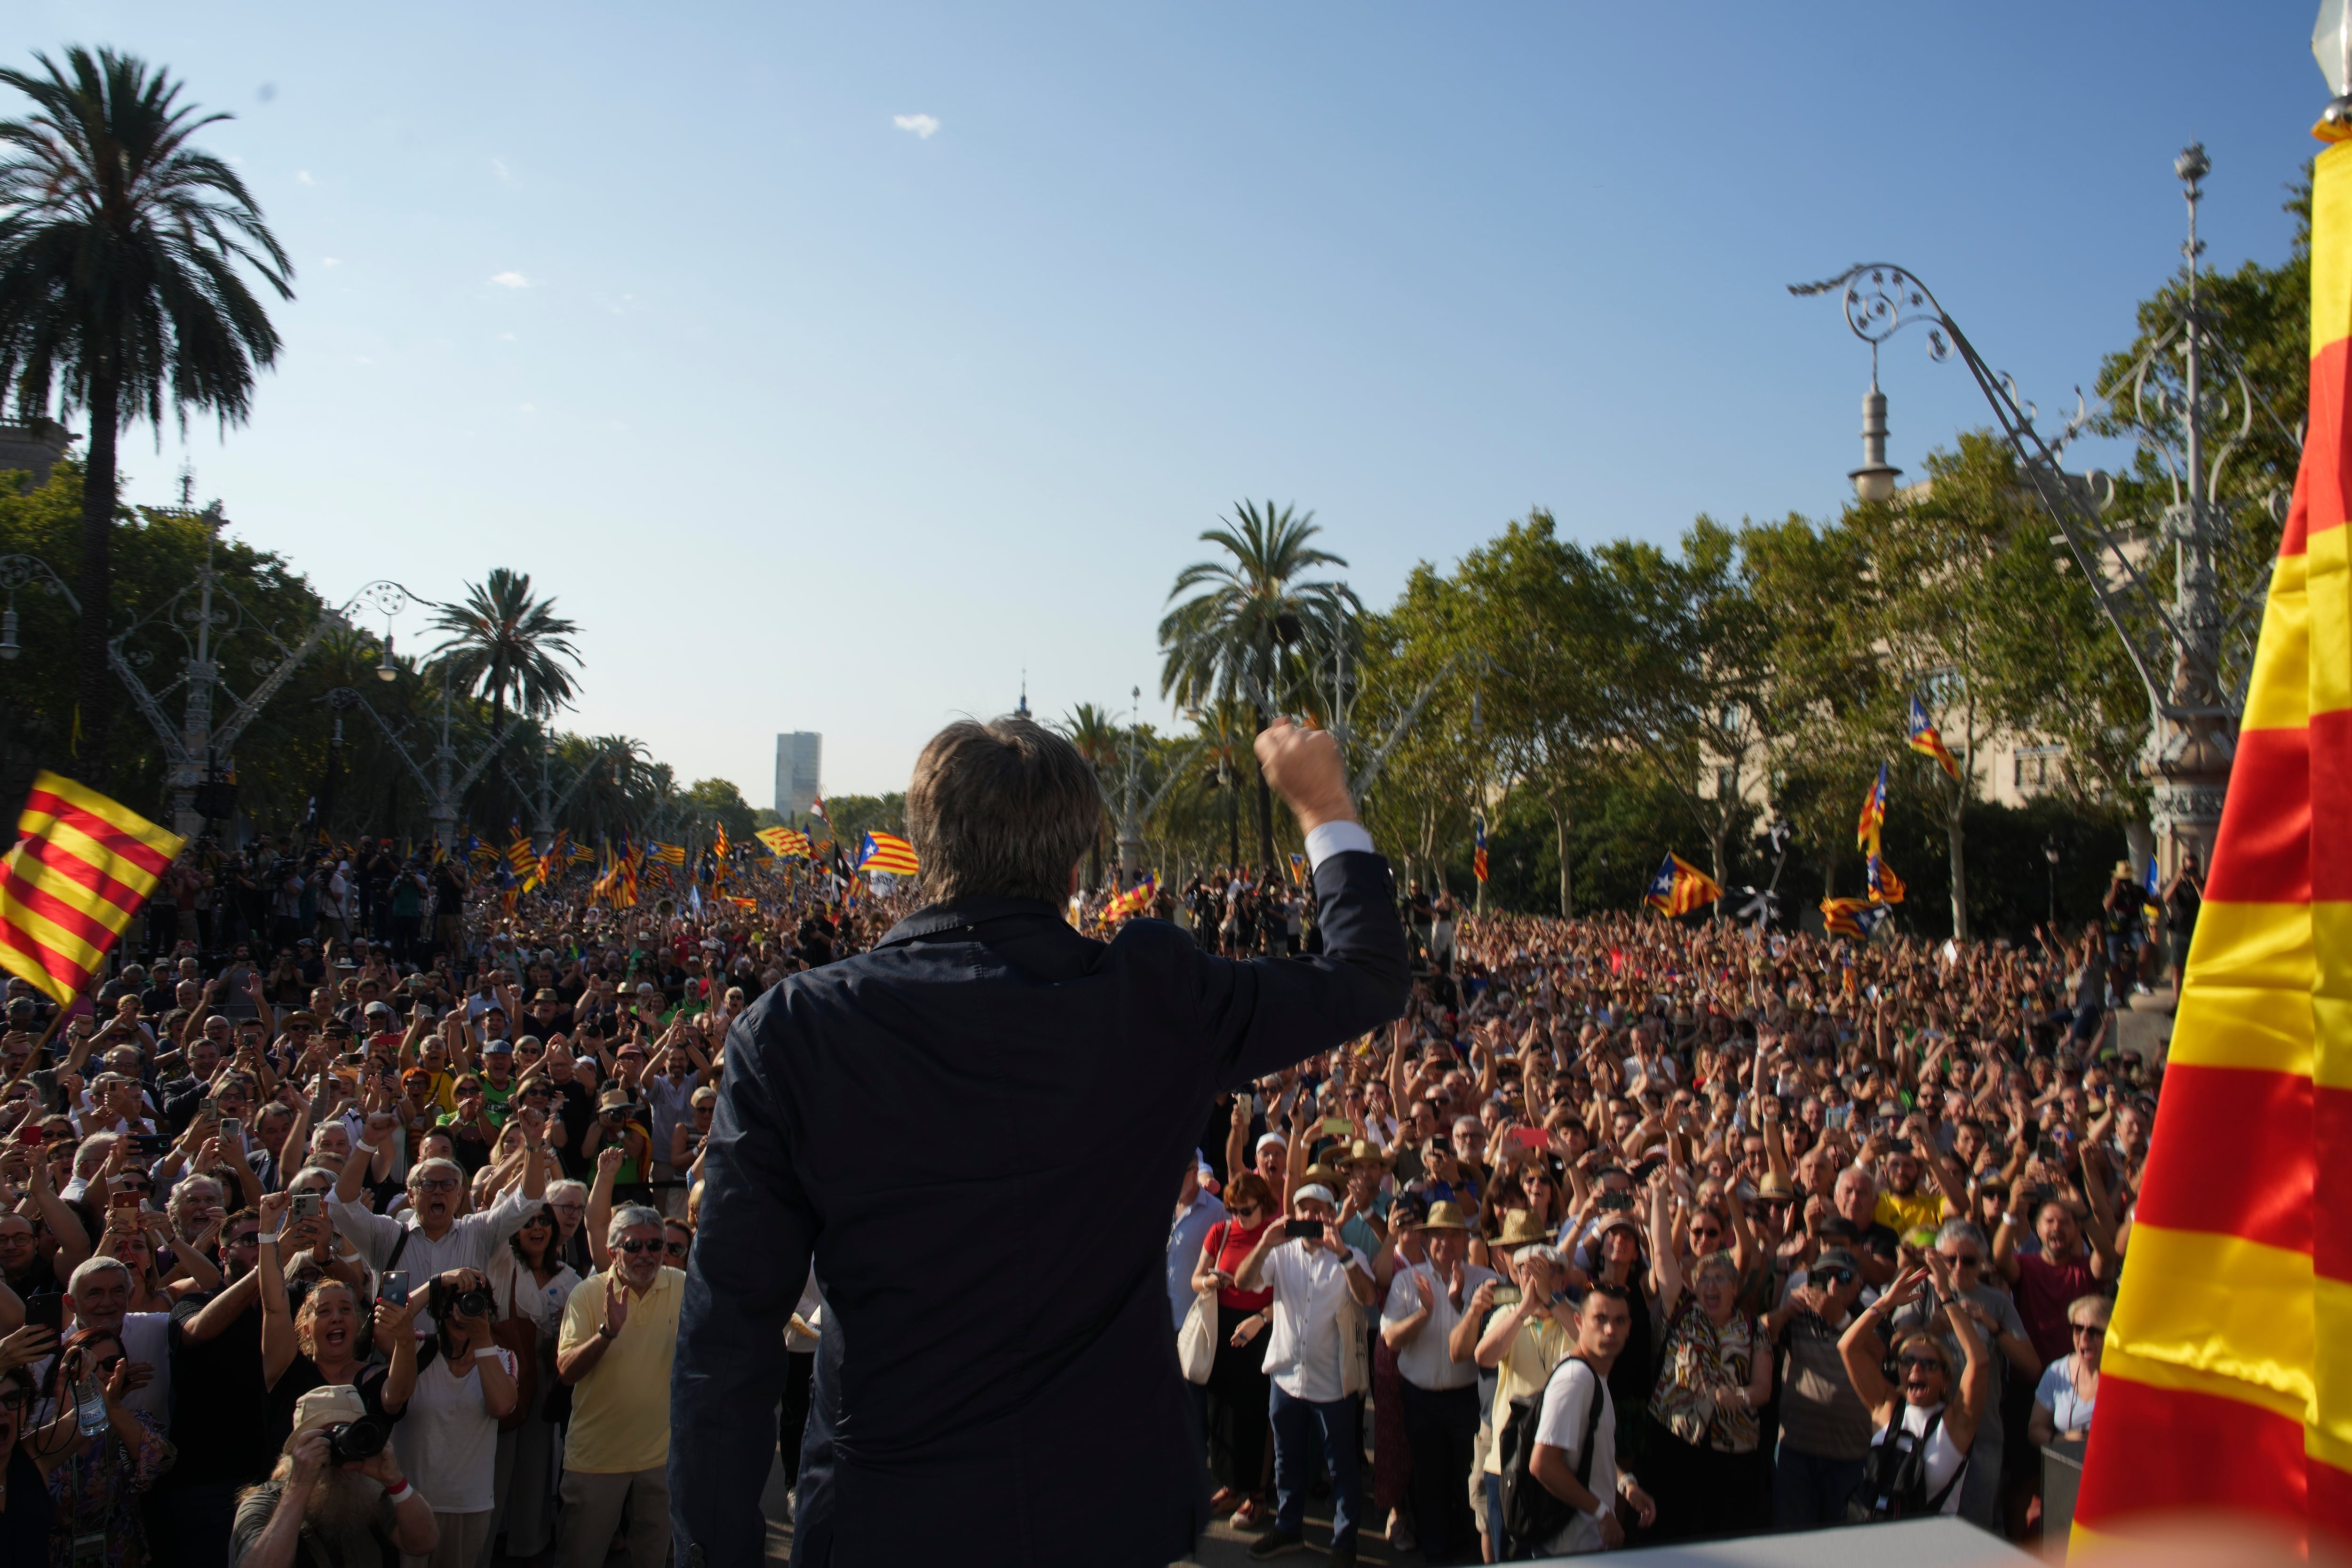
column 8, row 646
column 386, row 670
column 2331, row 46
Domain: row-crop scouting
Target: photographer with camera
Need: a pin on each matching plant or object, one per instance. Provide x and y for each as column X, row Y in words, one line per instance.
column 328, row 1504
column 432, row 1239
column 448, row 1440
column 1825, row 1428
column 620, row 1125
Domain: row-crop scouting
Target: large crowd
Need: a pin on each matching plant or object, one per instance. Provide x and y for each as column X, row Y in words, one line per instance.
column 1635, row 1231
column 346, row 1220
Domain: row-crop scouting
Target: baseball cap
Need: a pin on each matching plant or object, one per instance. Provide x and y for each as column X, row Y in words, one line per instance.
column 1315, row 1190
column 328, row 1405
column 499, row 1048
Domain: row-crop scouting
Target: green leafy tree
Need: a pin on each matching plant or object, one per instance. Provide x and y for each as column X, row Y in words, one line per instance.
column 124, row 258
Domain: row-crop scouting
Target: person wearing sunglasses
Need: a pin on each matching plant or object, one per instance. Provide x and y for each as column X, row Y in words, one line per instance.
column 1928, row 1411
column 2069, row 1390
column 618, row 1344
column 1825, row 1427
column 1964, row 1250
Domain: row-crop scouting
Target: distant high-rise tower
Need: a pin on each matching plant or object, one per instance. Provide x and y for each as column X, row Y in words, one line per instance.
column 798, row 783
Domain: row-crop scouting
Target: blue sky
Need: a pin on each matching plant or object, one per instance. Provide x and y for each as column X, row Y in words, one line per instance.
column 832, row 365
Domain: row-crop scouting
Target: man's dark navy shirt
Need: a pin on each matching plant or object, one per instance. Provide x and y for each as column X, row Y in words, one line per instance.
column 977, row 1130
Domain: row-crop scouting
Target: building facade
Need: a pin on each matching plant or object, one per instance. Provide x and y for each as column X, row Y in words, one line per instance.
column 799, row 768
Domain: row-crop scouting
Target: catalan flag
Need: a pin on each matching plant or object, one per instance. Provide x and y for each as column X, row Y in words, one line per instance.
column 1479, row 851
column 1886, row 886
column 1680, row 886
column 668, row 854
column 81, row 867
column 1857, row 918
column 2226, row 1381
column 1873, row 813
column 1927, row 740
column 1298, row 866
column 519, row 859
column 886, row 852
column 784, row 843
column 1134, row 902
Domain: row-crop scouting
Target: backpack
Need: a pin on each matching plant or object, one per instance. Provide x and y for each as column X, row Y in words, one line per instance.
column 1895, row 1477
column 1532, row 1516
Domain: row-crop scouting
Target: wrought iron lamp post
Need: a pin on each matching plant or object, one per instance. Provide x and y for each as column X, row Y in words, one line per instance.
column 2190, row 640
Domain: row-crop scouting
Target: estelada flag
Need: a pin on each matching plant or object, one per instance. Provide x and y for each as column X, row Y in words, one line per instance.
column 2226, row 1380
column 1680, row 886
column 1852, row 917
column 1478, row 852
column 81, row 867
column 1886, row 886
column 1873, row 813
column 1928, row 740
column 888, row 852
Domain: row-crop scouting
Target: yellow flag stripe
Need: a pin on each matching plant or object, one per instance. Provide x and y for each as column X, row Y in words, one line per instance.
column 2247, row 1002
column 122, row 818
column 83, row 847
column 2279, row 696
column 2221, row 1305
column 2331, row 223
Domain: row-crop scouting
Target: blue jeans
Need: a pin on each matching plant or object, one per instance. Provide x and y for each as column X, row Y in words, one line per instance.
column 1809, row 1491
column 1297, row 1424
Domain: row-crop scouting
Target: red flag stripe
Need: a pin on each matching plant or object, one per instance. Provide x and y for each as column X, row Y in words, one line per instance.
column 49, row 960
column 2228, row 1113
column 2319, row 481
column 2262, row 855
column 2191, row 1450
column 59, row 913
column 98, row 828
column 2331, row 803
column 55, row 861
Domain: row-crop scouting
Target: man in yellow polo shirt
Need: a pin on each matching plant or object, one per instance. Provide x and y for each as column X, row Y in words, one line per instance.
column 620, row 1335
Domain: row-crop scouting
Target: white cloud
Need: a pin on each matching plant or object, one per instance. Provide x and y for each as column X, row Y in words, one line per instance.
column 506, row 337
column 331, row 261
column 526, row 408
column 922, row 125
column 511, row 280
column 499, row 165
column 302, row 177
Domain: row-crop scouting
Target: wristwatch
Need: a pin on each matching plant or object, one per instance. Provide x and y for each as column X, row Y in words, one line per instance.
column 604, row 1331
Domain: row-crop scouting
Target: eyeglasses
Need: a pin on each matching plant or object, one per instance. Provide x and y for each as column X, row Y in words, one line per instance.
column 250, row 1238
column 13, row 1399
column 635, row 1247
column 1963, row 1259
column 1936, row 1361
column 437, row 1183
column 2088, row 1331
column 1833, row 1275
column 675, row 1249
column 1703, row 1233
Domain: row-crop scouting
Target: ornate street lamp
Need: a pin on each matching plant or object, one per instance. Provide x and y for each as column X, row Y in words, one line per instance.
column 2190, row 641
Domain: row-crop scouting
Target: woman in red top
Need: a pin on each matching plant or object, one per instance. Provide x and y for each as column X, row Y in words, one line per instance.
column 1237, row 1384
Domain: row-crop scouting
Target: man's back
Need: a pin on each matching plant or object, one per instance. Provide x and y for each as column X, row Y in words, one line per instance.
column 979, row 1126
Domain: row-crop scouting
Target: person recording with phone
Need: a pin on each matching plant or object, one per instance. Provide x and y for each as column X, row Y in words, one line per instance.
column 447, row 1439
column 1432, row 1320
column 1315, row 1359
column 108, row 1455
column 324, row 1339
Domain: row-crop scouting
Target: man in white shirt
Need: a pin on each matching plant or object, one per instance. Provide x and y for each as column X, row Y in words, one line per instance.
column 1316, row 1373
column 1435, row 1313
column 1576, row 1452
column 432, row 1239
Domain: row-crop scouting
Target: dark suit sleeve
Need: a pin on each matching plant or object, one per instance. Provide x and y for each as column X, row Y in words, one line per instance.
column 1269, row 1013
column 751, row 1259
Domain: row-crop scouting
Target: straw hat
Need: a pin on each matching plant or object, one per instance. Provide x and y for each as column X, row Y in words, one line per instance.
column 1362, row 1153
column 1445, row 1216
column 1520, row 1229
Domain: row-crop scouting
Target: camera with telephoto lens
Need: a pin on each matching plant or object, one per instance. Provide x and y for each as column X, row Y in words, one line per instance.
column 447, row 1302
column 348, row 1442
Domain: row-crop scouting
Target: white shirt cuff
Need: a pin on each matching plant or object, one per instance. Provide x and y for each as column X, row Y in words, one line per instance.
column 1336, row 838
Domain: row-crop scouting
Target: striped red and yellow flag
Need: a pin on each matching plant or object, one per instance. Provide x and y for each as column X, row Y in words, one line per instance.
column 83, row 866
column 2226, row 1379
column 888, row 852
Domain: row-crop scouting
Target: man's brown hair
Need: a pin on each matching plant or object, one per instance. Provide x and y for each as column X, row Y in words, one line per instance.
column 1002, row 808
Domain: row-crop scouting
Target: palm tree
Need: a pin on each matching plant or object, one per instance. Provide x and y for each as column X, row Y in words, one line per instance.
column 1236, row 638
column 120, row 284
column 502, row 640
column 1097, row 739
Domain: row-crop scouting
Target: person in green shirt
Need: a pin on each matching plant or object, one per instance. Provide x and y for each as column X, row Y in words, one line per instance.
column 498, row 1080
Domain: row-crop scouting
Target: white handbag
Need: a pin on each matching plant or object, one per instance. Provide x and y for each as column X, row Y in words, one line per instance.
column 1196, row 1341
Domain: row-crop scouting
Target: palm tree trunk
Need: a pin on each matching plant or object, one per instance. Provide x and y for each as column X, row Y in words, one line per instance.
column 1265, row 811
column 1960, row 866
column 93, row 712
column 1559, row 832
